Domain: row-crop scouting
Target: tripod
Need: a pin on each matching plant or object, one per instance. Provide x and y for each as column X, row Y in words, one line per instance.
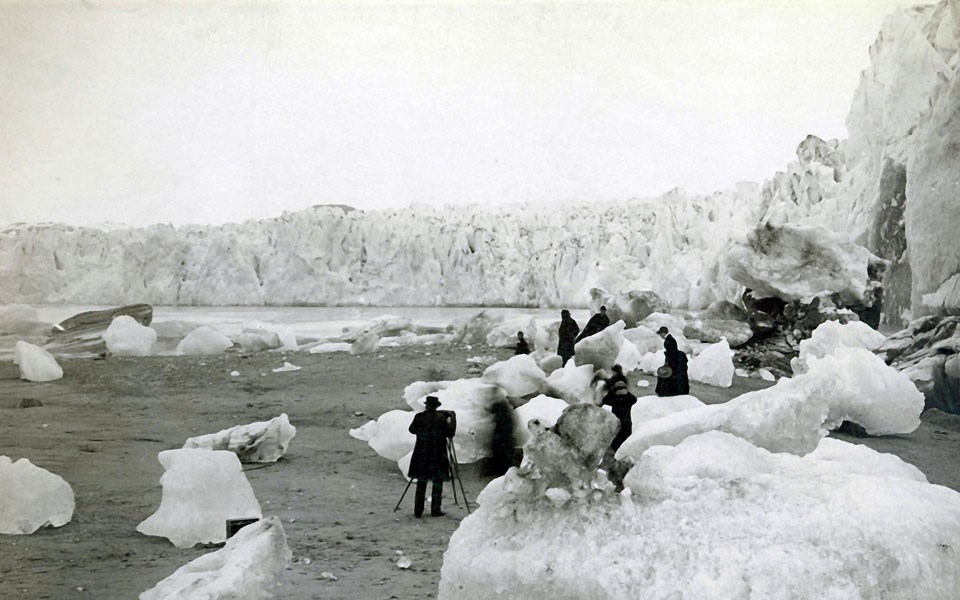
column 454, row 479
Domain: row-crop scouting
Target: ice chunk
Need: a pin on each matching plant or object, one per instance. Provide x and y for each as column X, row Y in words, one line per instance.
column 204, row 340
column 600, row 349
column 390, row 438
column 713, row 366
column 328, row 347
column 32, row 497
column 571, row 383
column 36, row 364
column 737, row 333
column 247, row 568
column 287, row 367
column 831, row 335
column 127, row 337
column 752, row 525
column 518, row 376
column 257, row 341
column 202, row 489
column 365, row 344
column 649, row 408
column 542, row 408
column 20, row 319
column 260, row 442
column 651, row 361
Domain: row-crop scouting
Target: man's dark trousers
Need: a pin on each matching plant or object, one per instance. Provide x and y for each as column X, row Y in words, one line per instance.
column 436, row 496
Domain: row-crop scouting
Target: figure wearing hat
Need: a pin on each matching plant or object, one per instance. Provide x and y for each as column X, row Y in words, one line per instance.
column 672, row 376
column 621, row 401
column 429, row 461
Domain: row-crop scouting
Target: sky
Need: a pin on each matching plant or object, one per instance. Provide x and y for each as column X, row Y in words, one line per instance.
column 154, row 111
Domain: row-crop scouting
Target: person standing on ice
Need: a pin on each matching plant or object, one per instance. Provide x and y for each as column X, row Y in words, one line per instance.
column 596, row 324
column 522, row 346
column 429, row 461
column 621, row 401
column 672, row 376
column 568, row 336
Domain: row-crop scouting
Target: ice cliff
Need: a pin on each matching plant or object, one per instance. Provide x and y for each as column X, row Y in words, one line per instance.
column 892, row 187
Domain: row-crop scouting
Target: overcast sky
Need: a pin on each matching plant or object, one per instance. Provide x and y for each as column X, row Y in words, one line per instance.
column 207, row 112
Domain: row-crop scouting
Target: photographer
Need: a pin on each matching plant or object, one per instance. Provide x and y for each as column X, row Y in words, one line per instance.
column 429, row 461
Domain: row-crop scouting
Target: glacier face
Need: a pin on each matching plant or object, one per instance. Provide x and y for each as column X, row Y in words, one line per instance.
column 892, row 187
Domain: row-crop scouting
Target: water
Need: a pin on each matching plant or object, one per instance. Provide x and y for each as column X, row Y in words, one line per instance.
column 306, row 321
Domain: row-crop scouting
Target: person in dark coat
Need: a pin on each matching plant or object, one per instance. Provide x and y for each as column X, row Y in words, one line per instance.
column 596, row 324
column 522, row 346
column 621, row 401
column 502, row 444
column 672, row 376
column 429, row 461
column 617, row 376
column 568, row 336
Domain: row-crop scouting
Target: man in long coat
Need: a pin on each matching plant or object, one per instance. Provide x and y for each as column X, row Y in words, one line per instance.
column 568, row 335
column 674, row 381
column 429, row 461
column 596, row 324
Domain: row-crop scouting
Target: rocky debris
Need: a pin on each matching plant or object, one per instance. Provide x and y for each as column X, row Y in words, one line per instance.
column 928, row 352
column 737, row 333
column 32, row 497
column 724, row 309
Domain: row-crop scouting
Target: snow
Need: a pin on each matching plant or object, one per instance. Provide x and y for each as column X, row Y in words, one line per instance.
column 202, row 489
column 248, row 567
column 716, row 517
column 126, row 337
column 260, row 442
column 830, row 335
column 32, row 497
column 713, row 366
column 36, row 364
column 204, row 340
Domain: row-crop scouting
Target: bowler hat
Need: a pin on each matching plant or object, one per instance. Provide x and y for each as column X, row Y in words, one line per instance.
column 663, row 330
column 431, row 402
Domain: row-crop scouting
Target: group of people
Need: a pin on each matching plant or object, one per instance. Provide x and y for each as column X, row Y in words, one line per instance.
column 435, row 428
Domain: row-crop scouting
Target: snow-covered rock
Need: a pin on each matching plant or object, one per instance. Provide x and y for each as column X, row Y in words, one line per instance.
column 248, row 567
column 830, row 335
column 202, row 489
column 518, row 376
column 127, row 337
column 32, row 497
column 716, row 517
column 36, row 364
column 204, row 340
column 260, row 442
column 713, row 366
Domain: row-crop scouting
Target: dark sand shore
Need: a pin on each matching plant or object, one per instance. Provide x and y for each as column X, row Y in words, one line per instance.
column 102, row 425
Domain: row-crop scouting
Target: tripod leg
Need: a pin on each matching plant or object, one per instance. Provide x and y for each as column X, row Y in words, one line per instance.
column 463, row 492
column 409, row 481
column 451, row 461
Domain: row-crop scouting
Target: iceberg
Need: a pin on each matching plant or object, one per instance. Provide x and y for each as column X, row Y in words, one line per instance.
column 32, row 498
column 248, row 567
column 36, row 364
column 127, row 337
column 202, row 489
column 260, row 442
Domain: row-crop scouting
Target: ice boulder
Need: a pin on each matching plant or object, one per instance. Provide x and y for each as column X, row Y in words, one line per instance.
column 713, row 366
column 504, row 335
column 737, row 333
column 645, row 339
column 600, row 349
column 518, row 376
column 629, row 356
column 651, row 361
column 365, row 344
column 202, row 489
column 792, row 262
column 543, row 409
column 248, row 567
column 260, row 442
column 389, row 436
column 36, row 364
column 330, row 347
column 257, row 341
column 204, row 340
column 32, row 497
column 830, row 335
column 715, row 517
column 571, row 383
column 127, row 337
column 20, row 319
column 630, row 307
column 650, row 408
